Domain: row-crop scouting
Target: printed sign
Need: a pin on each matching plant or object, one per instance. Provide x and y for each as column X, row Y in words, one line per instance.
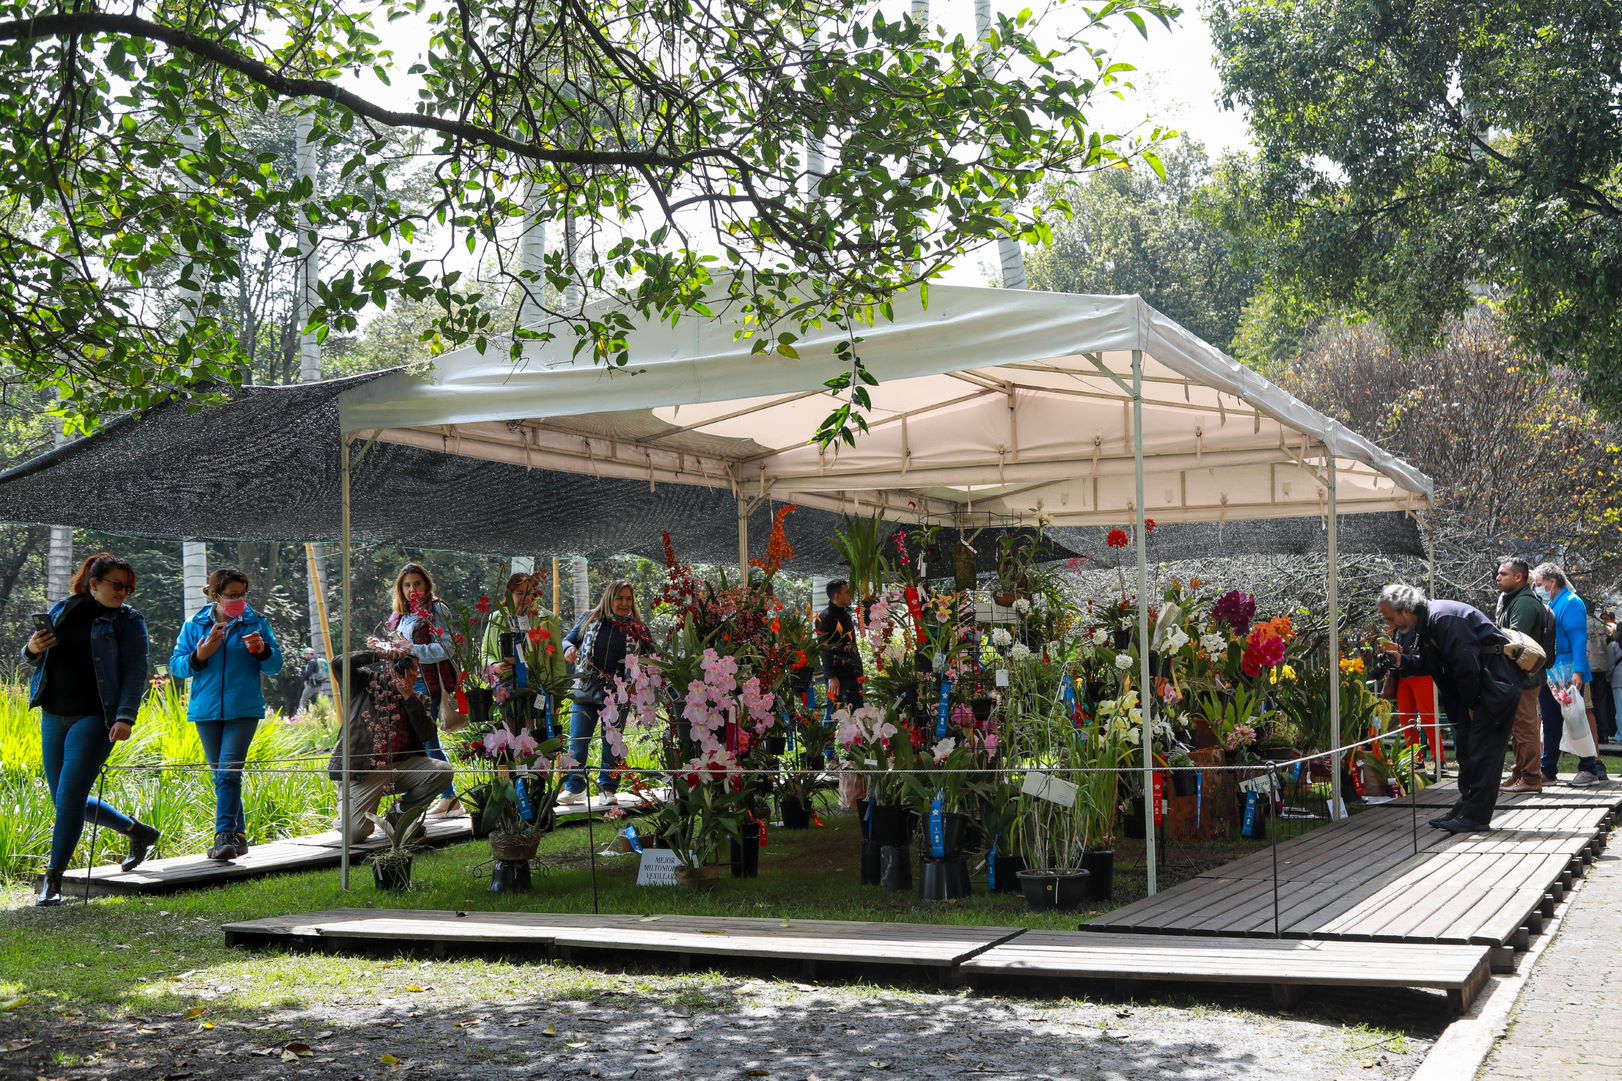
column 1050, row 788
column 658, row 868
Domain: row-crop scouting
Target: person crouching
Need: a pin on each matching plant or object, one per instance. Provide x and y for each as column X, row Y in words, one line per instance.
column 389, row 729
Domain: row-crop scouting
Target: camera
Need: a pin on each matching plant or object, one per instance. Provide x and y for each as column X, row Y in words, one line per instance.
column 1384, row 664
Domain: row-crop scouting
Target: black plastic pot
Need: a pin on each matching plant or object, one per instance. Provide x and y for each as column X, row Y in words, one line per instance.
column 1049, row 891
column 895, row 868
column 1184, row 782
column 1008, row 869
column 944, row 880
column 981, row 708
column 510, row 876
column 475, row 812
column 1100, row 868
column 393, row 875
column 480, row 701
column 796, row 812
column 746, row 852
column 870, row 863
column 887, row 823
column 959, row 831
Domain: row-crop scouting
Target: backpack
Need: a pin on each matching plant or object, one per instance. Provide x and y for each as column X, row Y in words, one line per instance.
column 1545, row 633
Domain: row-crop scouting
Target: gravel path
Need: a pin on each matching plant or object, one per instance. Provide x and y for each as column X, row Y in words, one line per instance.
column 702, row 1027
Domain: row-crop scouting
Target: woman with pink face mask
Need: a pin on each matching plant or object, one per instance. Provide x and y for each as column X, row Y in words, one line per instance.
column 223, row 650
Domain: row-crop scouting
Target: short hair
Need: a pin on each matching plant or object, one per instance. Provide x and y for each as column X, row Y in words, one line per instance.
column 222, row 578
column 835, row 586
column 1403, row 597
column 1551, row 570
column 1516, row 564
column 1606, row 614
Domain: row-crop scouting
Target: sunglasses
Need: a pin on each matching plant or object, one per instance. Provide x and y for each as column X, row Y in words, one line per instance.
column 122, row 588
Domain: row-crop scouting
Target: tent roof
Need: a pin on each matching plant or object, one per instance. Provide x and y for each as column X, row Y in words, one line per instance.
column 994, row 407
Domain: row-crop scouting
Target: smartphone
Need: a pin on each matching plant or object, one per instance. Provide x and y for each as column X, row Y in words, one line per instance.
column 42, row 623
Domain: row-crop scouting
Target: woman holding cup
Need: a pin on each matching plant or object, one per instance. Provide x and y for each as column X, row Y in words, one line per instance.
column 224, row 650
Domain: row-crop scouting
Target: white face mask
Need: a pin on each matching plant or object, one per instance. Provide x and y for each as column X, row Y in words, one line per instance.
column 1543, row 594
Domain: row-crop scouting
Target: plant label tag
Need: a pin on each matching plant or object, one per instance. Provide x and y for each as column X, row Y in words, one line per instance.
column 940, row 661
column 521, row 624
column 1002, row 677
column 1053, row 789
column 658, row 868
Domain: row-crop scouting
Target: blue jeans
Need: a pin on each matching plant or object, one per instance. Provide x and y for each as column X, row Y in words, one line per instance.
column 225, row 746
column 438, row 752
column 74, row 749
column 582, row 723
column 1553, row 725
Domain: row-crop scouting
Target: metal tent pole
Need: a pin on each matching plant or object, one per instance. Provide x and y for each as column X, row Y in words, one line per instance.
column 1332, row 582
column 343, row 686
column 1145, row 688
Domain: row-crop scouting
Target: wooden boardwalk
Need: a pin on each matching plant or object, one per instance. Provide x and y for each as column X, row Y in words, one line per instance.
column 1375, row 879
column 1555, row 794
column 683, row 938
column 950, row 954
column 1284, row 965
column 316, row 852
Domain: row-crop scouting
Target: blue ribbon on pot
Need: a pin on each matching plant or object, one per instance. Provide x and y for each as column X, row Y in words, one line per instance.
column 991, row 867
column 1069, row 697
column 633, row 840
column 1249, row 827
column 937, row 827
column 526, row 810
column 546, row 713
column 520, row 677
column 943, row 709
column 1199, row 797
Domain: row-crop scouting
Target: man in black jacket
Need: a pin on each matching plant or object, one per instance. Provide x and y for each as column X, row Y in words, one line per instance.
column 836, row 634
column 1463, row 651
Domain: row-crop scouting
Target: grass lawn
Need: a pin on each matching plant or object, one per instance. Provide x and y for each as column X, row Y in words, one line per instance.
column 153, row 954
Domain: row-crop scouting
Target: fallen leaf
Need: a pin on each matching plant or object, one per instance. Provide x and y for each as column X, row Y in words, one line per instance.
column 413, row 989
column 323, row 1034
column 207, row 1025
column 195, row 1011
column 1367, row 1064
column 288, row 1056
column 549, row 1030
column 575, row 1045
column 650, row 919
column 389, row 1060
column 879, row 1065
column 469, row 1022
column 13, row 1003
column 300, row 1050
column 15, row 1045
column 758, row 1073
column 120, row 946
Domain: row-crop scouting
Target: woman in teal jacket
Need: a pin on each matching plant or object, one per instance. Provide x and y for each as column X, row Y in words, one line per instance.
column 223, row 650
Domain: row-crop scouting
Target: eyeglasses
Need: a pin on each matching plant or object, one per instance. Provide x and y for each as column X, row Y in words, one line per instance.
column 122, row 588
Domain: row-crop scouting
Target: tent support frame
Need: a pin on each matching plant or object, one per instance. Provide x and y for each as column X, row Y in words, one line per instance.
column 1332, row 586
column 1146, row 695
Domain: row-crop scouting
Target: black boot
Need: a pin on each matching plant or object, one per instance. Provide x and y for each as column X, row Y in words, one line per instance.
column 142, row 838
column 50, row 890
column 225, row 847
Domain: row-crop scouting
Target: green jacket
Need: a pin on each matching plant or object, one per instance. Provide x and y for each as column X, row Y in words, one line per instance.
column 1522, row 611
column 546, row 667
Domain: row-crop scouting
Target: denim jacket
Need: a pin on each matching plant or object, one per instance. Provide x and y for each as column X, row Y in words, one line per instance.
column 118, row 652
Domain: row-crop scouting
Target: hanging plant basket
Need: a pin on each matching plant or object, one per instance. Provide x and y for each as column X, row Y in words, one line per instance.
column 514, row 847
column 963, row 573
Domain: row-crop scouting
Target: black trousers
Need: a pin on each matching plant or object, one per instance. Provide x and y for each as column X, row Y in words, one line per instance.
column 1480, row 738
column 1604, row 705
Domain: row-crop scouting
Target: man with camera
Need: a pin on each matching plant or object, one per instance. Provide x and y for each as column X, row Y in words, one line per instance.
column 1463, row 651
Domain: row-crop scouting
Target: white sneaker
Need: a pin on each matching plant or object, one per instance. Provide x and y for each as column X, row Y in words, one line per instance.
column 1583, row 779
column 569, row 798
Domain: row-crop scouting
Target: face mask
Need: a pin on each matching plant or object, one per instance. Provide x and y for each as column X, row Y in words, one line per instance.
column 1543, row 594
column 232, row 609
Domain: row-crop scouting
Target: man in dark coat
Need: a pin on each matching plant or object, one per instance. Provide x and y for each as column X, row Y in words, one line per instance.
column 836, row 634
column 1463, row 651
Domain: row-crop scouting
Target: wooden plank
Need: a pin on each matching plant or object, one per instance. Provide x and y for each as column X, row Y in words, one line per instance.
column 1273, row 962
column 910, row 945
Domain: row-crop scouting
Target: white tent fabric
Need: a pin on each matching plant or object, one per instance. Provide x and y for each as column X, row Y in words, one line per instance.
column 994, row 406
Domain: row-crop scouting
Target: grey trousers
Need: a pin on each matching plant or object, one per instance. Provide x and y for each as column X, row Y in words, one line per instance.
column 419, row 780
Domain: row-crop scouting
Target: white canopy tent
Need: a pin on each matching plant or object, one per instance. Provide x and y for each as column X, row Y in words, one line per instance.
column 993, row 407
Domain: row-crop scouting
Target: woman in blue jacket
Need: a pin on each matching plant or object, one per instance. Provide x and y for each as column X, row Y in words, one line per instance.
column 89, row 672
column 223, row 650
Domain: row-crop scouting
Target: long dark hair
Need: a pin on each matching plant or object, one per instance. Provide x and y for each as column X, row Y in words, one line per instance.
column 99, row 566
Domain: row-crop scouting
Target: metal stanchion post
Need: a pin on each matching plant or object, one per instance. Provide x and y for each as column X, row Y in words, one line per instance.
column 591, row 838
column 1273, row 826
column 1413, row 799
column 95, row 828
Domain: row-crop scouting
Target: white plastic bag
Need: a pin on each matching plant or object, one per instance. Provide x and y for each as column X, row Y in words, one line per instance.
column 1575, row 738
